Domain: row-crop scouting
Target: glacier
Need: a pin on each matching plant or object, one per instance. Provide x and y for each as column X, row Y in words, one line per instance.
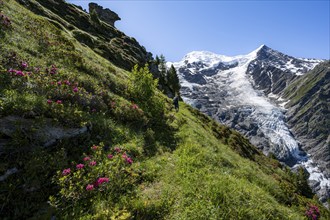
column 231, row 87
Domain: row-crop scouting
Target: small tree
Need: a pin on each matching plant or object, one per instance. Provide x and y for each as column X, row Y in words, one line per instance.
column 142, row 85
column 157, row 60
column 301, row 182
column 142, row 88
column 173, row 80
column 162, row 69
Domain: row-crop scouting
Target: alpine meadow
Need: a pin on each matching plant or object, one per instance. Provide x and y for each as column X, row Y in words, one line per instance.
column 88, row 130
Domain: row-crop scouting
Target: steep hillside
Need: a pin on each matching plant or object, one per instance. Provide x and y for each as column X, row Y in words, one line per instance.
column 89, row 30
column 309, row 113
column 81, row 138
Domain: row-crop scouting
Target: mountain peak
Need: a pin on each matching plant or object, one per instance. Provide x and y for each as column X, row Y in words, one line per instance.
column 261, row 47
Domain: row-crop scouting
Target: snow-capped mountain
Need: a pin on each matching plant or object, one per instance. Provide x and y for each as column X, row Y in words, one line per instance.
column 245, row 93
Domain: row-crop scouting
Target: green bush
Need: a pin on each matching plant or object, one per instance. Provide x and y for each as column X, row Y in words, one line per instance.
column 100, row 175
column 142, row 89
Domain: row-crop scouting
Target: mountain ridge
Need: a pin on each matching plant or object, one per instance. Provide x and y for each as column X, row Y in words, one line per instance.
column 247, row 95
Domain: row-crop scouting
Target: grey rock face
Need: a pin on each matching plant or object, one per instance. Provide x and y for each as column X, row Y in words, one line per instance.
column 309, row 113
column 105, row 15
column 273, row 71
column 44, row 133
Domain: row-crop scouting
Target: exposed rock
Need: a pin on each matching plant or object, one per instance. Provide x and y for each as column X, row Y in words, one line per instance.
column 8, row 173
column 309, row 113
column 105, row 15
column 43, row 133
column 273, row 71
column 103, row 38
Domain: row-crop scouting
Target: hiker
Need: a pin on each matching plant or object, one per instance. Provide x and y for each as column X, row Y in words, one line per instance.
column 176, row 102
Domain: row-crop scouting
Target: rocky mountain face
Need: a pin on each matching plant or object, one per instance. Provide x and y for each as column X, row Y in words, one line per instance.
column 308, row 114
column 247, row 93
column 104, row 14
column 99, row 33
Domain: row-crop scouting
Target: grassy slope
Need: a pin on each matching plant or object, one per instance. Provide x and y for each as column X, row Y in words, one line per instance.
column 189, row 166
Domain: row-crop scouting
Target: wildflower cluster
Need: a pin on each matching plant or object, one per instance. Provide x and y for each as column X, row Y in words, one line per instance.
column 52, row 70
column 100, row 173
column 20, row 71
column 66, row 99
column 129, row 112
column 4, row 21
column 312, row 212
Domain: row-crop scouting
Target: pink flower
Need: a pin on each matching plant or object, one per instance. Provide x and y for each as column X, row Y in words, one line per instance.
column 19, row 73
column 135, row 106
column 66, row 172
column 110, row 156
column 53, row 70
column 89, row 187
column 117, row 149
column 59, row 83
column 59, row 102
column 80, row 166
column 75, row 89
column 94, row 147
column 24, row 65
column 11, row 70
column 92, row 163
column 102, row 180
column 129, row 160
column 87, row 158
column 49, row 101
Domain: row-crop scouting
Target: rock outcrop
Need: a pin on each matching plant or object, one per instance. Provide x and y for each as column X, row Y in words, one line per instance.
column 45, row 133
column 105, row 15
column 309, row 113
column 102, row 37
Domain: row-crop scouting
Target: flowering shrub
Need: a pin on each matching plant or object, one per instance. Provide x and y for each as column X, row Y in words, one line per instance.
column 102, row 174
column 312, row 212
column 66, row 100
column 4, row 21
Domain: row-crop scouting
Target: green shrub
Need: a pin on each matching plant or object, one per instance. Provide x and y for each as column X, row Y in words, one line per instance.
column 142, row 89
column 101, row 175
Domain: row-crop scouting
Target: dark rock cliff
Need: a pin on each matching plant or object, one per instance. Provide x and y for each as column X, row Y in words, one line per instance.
column 100, row 36
column 105, row 15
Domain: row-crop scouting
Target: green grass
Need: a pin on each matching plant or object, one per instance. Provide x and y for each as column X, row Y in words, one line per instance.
column 205, row 179
column 186, row 166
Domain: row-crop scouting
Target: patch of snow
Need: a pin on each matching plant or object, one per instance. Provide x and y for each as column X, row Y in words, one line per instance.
column 282, row 104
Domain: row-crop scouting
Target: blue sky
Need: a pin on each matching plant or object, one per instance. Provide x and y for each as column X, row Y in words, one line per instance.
column 175, row 28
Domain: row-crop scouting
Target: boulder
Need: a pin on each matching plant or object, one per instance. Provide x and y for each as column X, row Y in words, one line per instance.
column 43, row 133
